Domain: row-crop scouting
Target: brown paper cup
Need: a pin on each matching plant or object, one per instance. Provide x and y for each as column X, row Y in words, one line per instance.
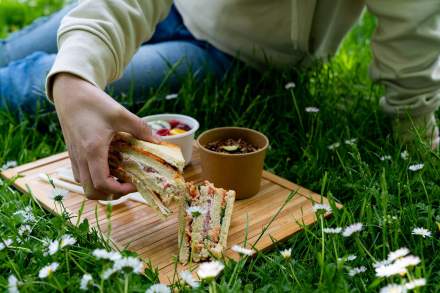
column 239, row 172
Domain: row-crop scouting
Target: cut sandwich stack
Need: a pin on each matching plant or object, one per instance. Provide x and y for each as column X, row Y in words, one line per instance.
column 204, row 219
column 155, row 170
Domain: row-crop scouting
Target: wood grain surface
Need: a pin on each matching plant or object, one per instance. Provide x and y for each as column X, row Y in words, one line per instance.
column 136, row 227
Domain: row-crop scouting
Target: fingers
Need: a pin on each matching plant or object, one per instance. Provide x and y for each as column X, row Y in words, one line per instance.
column 73, row 159
column 87, row 183
column 137, row 127
column 97, row 159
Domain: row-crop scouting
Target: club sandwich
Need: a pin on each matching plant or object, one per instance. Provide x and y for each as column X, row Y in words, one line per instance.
column 204, row 219
column 155, row 170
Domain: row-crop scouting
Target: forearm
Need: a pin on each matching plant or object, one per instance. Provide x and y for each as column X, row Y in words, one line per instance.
column 99, row 37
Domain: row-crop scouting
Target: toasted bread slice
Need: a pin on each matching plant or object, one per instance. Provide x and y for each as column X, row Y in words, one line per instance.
column 155, row 170
column 167, row 152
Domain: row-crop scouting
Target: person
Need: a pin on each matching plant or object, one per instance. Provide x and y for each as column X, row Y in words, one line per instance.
column 27, row 56
column 98, row 38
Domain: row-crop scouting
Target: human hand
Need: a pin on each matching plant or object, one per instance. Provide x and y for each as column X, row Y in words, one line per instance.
column 89, row 118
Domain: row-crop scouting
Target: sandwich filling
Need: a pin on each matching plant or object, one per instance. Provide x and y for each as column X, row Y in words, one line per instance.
column 204, row 219
column 155, row 170
column 169, row 185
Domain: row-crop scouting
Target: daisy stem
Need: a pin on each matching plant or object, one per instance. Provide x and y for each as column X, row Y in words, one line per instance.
column 57, row 284
column 126, row 284
column 365, row 249
column 21, row 248
column 12, row 264
column 67, row 262
column 294, row 275
column 77, row 264
column 322, row 247
column 234, row 273
column 297, row 110
column 101, row 290
column 43, row 283
column 212, row 287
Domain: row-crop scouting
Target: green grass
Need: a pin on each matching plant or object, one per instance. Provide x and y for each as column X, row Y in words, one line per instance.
column 384, row 195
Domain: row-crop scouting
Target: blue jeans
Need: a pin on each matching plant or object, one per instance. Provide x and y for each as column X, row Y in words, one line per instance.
column 167, row 58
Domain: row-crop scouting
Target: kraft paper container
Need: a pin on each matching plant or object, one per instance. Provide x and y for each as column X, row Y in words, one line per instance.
column 239, row 172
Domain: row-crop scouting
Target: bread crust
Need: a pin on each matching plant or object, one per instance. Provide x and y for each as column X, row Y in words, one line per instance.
column 204, row 236
column 168, row 154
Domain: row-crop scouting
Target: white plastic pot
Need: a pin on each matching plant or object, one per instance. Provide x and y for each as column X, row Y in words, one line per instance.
column 185, row 140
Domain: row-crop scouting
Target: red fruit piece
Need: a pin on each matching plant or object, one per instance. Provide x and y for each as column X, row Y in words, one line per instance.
column 174, row 123
column 163, row 132
column 183, row 126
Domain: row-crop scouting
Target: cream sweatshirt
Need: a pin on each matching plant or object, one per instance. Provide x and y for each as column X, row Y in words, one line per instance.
column 99, row 37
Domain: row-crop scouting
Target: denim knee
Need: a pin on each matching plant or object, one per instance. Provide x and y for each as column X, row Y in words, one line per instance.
column 22, row 82
column 4, row 58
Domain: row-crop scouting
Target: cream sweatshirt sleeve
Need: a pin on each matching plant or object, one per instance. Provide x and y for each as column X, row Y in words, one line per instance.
column 98, row 38
column 406, row 49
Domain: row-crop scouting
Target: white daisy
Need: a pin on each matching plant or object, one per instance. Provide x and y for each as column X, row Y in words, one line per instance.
column 24, row 230
column 8, row 165
column 385, row 158
column 407, row 261
column 48, row 270
column 53, row 247
column 348, row 231
column 242, row 250
column 289, row 85
column 415, row 283
column 171, row 96
column 128, row 262
column 208, row 270
column 85, row 280
column 330, row 230
column 59, row 194
column 104, row 254
column 404, row 155
column 188, row 278
column 26, row 215
column 312, row 110
column 416, row 167
column 351, row 141
column 393, row 288
column 195, row 211
column 401, row 252
column 396, row 263
column 381, row 263
column 13, row 284
column 107, row 273
column 158, row 288
column 350, row 257
column 354, row 271
column 421, row 232
column 334, row 146
column 390, row 270
column 286, row 253
column 6, row 243
column 67, row 240
column 322, row 207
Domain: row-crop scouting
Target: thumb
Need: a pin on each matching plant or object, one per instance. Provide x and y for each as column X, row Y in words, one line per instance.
column 138, row 128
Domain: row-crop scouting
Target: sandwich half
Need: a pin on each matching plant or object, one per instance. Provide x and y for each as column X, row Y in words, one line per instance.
column 204, row 219
column 155, row 170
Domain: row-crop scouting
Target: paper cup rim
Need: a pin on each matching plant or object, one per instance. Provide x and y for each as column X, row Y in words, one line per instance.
column 263, row 149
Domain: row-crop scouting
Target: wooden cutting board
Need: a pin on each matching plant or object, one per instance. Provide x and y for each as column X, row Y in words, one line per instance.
column 265, row 218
